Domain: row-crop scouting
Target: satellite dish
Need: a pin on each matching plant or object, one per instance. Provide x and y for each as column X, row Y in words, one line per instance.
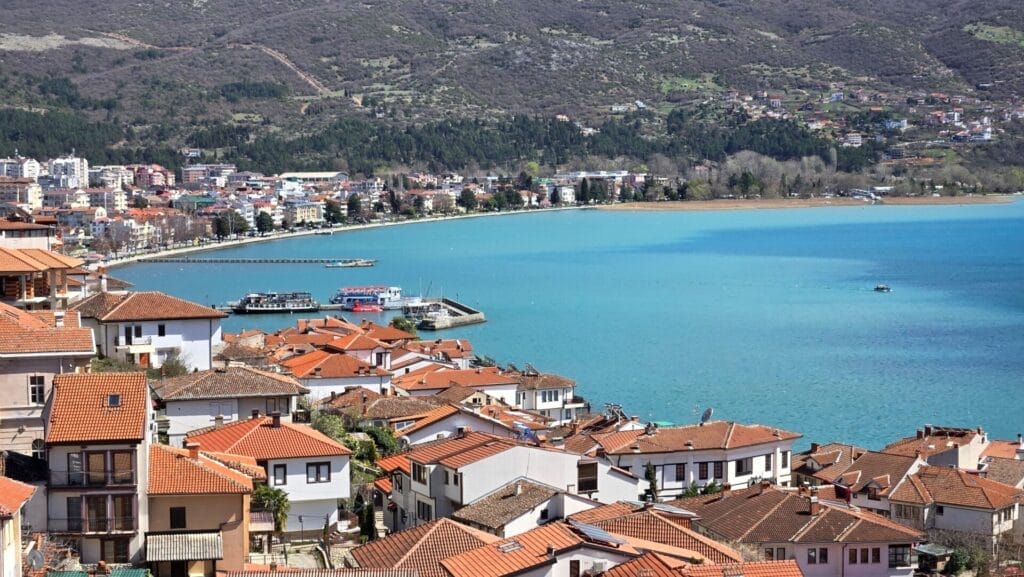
column 707, row 415
column 35, row 559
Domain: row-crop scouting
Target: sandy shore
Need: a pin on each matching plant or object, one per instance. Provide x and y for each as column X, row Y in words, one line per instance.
column 218, row 245
column 768, row 203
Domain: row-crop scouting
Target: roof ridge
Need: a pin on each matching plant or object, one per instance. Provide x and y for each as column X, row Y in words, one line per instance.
column 204, row 465
column 765, row 516
column 728, row 435
column 120, row 303
column 808, row 525
column 419, row 542
column 720, row 547
column 849, row 529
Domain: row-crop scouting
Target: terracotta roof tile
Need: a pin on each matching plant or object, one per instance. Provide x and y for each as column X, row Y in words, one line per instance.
column 384, row 333
column 442, row 379
column 882, row 470
column 1002, row 449
column 827, row 462
column 140, row 306
column 26, row 260
column 13, row 494
column 511, row 556
column 259, row 439
column 422, row 548
column 23, row 332
column 355, row 342
column 434, row 451
column 931, row 442
column 232, row 382
column 510, row 502
column 649, row 525
column 327, row 365
column 530, row 381
column 173, row 472
column 957, row 487
column 81, row 411
column 478, row 453
column 1006, row 471
column 434, row 415
column 787, row 568
column 711, row 435
column 648, row 565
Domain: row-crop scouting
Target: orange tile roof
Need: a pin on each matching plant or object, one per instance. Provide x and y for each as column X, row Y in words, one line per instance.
column 232, row 382
column 827, row 462
column 80, row 412
column 1002, row 449
column 426, row 419
column 23, row 332
column 330, row 365
column 384, row 333
column 442, row 379
column 355, row 342
column 881, row 470
column 957, row 487
column 479, row 453
column 711, row 435
column 422, row 548
column 28, row 260
column 383, row 485
column 514, row 555
column 931, row 441
column 141, row 306
column 241, row 463
column 434, row 451
column 259, row 439
column 173, row 472
column 13, row 494
column 787, row 568
column 648, row 565
column 652, row 526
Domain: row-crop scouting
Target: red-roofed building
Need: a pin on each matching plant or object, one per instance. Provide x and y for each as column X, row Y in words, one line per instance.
column 324, row 371
column 13, row 496
column 147, row 327
column 311, row 467
column 98, row 432
column 488, row 379
column 199, row 510
column 35, row 346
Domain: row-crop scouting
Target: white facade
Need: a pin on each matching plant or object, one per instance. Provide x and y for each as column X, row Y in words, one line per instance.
column 69, row 171
column 447, row 427
column 586, row 559
column 738, row 467
column 321, row 388
column 837, row 559
column 560, row 404
column 559, row 506
column 186, row 416
column 312, row 493
column 193, row 340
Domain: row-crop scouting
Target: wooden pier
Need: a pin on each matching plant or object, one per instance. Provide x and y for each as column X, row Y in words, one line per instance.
column 191, row 260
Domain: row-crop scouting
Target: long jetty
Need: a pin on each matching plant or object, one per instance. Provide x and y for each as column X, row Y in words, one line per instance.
column 191, row 260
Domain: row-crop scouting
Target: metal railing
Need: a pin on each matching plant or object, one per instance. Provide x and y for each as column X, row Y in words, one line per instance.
column 123, row 341
column 92, row 478
column 86, row 525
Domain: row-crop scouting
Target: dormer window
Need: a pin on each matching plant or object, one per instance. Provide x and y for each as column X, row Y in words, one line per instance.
column 113, row 400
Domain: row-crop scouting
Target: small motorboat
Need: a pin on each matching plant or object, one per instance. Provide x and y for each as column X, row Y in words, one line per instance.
column 361, row 307
column 882, row 288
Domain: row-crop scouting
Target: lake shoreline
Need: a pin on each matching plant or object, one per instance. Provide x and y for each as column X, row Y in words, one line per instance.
column 782, row 203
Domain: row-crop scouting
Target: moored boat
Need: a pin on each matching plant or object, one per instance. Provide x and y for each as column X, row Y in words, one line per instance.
column 882, row 288
column 351, row 263
column 273, row 302
column 385, row 297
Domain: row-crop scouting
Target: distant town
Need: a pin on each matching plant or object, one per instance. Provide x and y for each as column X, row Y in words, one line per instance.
column 140, row 438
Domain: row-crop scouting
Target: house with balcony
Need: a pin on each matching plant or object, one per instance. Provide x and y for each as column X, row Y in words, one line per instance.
column 310, row 467
column 823, row 534
column 947, row 499
column 13, row 496
column 33, row 278
column 217, row 396
column 943, row 446
column 718, row 452
column 550, row 395
column 98, row 432
column 870, row 480
column 146, row 328
column 198, row 513
column 323, row 371
column 34, row 347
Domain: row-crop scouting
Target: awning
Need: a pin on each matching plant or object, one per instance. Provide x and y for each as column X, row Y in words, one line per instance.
column 261, row 522
column 184, row 546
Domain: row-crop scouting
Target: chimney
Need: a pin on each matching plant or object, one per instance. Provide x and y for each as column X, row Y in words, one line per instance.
column 334, row 395
column 58, row 318
column 193, row 449
column 920, row 434
column 519, row 488
column 218, row 421
column 815, row 447
column 316, row 371
column 255, row 413
column 763, row 486
column 813, row 506
column 276, row 422
column 551, row 551
column 103, row 283
column 927, row 430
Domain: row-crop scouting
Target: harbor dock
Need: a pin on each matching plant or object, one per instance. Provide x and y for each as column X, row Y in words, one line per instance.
column 193, row 260
column 457, row 315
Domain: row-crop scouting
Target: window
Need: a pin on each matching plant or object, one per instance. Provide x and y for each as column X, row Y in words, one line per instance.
column 864, row 555
column 113, row 400
column 574, row 568
column 586, row 477
column 161, row 330
column 178, row 518
column 447, row 481
column 784, row 461
column 424, row 511
column 122, row 474
column 769, row 554
column 455, row 478
column 96, row 513
column 702, row 471
column 127, row 335
column 38, row 449
column 378, row 360
column 780, row 553
column 939, row 510
column 37, row 389
column 876, row 554
column 276, row 406
column 96, row 467
column 280, row 474
column 419, row 473
column 768, row 462
column 318, row 473
column 719, row 470
column 114, row 550
column 853, row 556
column 907, row 512
column 681, row 472
column 743, row 467
column 543, row 514
column 179, row 568
column 138, row 331
column 873, row 494
column 823, row 555
column 520, row 399
column 900, row 556
column 124, row 519
column 74, row 505
column 812, row 556
column 75, row 476
column 549, row 396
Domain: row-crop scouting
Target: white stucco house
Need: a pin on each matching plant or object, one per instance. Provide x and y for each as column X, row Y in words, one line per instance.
column 324, row 372
column 146, row 328
column 310, row 467
column 219, row 396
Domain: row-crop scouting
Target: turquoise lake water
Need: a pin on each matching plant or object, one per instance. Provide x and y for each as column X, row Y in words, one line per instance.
column 766, row 315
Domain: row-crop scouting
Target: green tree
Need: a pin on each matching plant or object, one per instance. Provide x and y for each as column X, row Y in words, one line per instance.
column 140, row 201
column 385, row 440
column 583, row 194
column 331, row 425
column 404, row 324
column 332, row 212
column 355, row 207
column 652, row 480
column 711, row 488
column 556, row 196
column 419, row 204
column 273, row 500
column 467, row 199
column 173, row 366
column 264, row 223
column 228, row 223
